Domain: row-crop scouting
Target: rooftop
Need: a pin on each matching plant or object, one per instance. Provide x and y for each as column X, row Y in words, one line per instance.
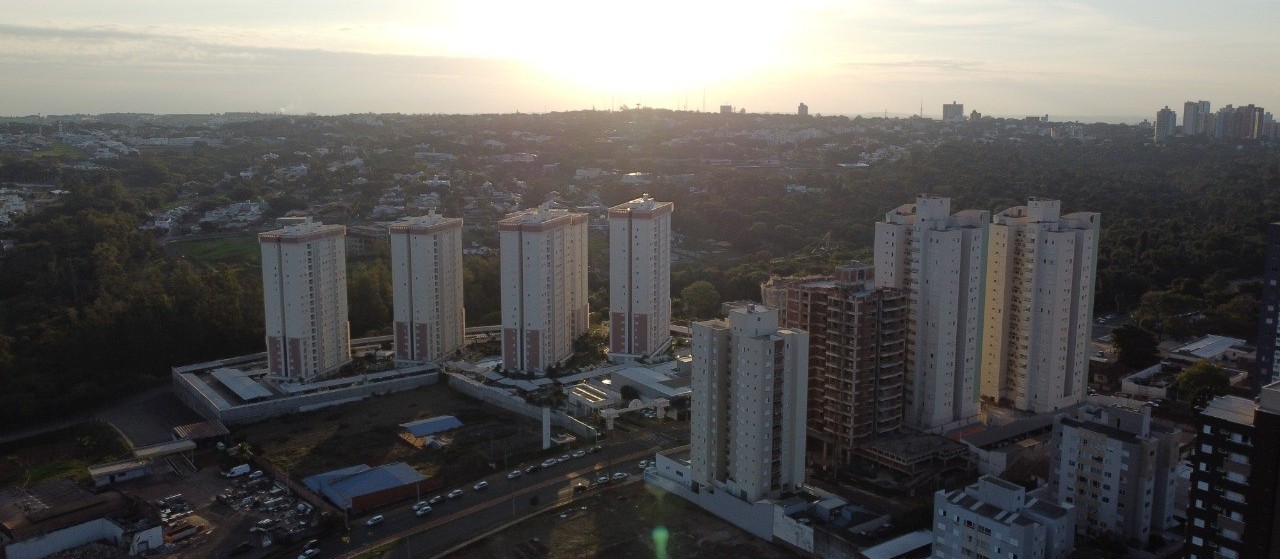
column 432, row 425
column 900, row 545
column 1209, row 347
column 1231, row 408
column 341, row 486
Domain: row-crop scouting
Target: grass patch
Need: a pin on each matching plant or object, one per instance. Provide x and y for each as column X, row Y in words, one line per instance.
column 239, row 252
column 59, row 149
column 64, row 453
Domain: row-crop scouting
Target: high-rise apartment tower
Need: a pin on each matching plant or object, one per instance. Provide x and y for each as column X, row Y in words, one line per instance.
column 304, row 288
column 426, row 286
column 639, row 277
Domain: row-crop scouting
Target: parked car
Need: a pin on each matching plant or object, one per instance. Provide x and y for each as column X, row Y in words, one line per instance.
column 514, row 474
column 309, row 553
column 595, row 449
column 374, row 521
column 579, row 454
column 422, row 511
column 256, row 474
column 419, row 505
column 455, row 494
column 619, row 476
column 549, row 462
column 436, row 500
column 480, row 486
column 533, row 468
column 602, row 480
column 562, row 458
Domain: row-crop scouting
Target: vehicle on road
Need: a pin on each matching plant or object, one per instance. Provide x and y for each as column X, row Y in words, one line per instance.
column 480, row 486
column 579, row 454
column 514, row 474
column 374, row 521
column 643, row 464
column 309, row 553
column 256, row 474
column 562, row 458
column 236, row 471
column 619, row 476
column 532, row 469
column 455, row 494
column 422, row 511
column 595, row 449
column 436, row 500
column 602, row 480
column 549, row 462
column 580, row 487
column 419, row 505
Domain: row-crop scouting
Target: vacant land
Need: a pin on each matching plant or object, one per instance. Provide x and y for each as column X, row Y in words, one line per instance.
column 63, row 453
column 236, row 251
column 637, row 521
column 366, row 432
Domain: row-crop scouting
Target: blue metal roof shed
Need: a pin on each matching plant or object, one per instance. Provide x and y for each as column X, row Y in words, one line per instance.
column 431, row 425
column 346, row 486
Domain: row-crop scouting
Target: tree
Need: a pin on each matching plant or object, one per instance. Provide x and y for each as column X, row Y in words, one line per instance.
column 1137, row 347
column 1202, row 381
column 700, row 299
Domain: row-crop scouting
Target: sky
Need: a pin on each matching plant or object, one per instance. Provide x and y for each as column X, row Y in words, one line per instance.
column 1104, row 60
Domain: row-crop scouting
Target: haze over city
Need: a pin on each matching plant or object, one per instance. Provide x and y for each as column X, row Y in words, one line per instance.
column 1101, row 61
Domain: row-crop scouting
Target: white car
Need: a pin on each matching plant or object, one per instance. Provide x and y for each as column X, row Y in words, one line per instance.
column 549, row 462
column 419, row 505
column 602, row 480
column 619, row 476
column 562, row 458
column 455, row 494
column 580, row 454
column 422, row 511
column 480, row 486
column 514, row 474
column 376, row 520
column 309, row 553
column 257, row 474
column 643, row 464
column 435, row 500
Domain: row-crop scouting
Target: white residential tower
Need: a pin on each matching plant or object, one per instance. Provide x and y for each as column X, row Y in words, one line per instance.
column 639, row 277
column 544, row 286
column 304, row 289
column 426, row 285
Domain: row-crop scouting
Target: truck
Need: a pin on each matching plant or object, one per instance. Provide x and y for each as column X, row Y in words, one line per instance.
column 236, row 471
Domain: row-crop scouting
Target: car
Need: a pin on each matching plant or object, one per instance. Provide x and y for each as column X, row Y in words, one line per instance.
column 562, row 458
column 311, row 544
column 436, row 500
column 455, row 494
column 580, row 487
column 549, row 462
column 422, row 511
column 1102, row 354
column 643, row 464
column 256, row 474
column 309, row 553
column 532, row 469
column 619, row 476
column 420, row 504
column 579, row 454
column 602, row 480
column 374, row 521
column 514, row 474
column 266, row 523
column 480, row 486
column 595, row 449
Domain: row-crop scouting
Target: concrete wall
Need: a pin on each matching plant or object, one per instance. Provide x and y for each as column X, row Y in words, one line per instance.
column 755, row 518
column 67, row 538
column 257, row 411
column 505, row 400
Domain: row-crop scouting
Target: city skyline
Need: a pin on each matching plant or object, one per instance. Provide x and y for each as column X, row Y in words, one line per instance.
column 1070, row 60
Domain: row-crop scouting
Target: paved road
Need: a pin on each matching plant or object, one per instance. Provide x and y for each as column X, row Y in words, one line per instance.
column 457, row 520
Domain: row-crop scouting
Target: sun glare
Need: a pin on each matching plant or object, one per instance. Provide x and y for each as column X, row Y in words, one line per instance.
column 661, row 48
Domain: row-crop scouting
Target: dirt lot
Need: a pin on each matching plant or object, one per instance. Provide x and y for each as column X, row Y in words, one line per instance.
column 626, row 523
column 367, row 432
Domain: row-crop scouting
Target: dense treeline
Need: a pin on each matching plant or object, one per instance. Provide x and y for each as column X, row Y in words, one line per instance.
column 1180, row 223
column 92, row 309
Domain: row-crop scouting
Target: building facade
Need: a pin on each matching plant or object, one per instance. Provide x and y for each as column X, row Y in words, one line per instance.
column 1039, row 306
column 1117, row 469
column 304, row 289
column 939, row 260
column 1236, row 469
column 1264, row 372
column 994, row 518
column 544, row 286
column 1166, row 124
column 426, row 287
column 640, row 277
column 953, row 112
column 1195, row 118
column 857, row 356
column 747, row 412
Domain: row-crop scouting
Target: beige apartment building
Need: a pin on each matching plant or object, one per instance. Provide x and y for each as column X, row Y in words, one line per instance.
column 639, row 278
column 426, row 281
column 304, row 291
